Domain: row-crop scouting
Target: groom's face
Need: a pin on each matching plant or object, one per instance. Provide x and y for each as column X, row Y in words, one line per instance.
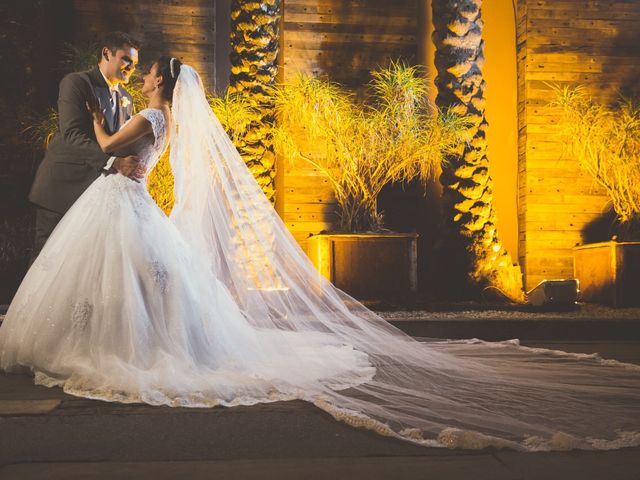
column 120, row 64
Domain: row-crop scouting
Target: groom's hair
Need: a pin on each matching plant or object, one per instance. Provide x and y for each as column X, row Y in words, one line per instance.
column 116, row 40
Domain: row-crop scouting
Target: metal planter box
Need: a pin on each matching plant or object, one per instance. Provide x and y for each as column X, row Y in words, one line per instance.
column 609, row 273
column 368, row 266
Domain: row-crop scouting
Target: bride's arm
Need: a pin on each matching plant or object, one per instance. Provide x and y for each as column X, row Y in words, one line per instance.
column 138, row 127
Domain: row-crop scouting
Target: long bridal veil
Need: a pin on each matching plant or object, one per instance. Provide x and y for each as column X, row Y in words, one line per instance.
column 468, row 394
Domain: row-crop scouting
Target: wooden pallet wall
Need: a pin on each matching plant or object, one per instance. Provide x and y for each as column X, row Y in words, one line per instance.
column 182, row 28
column 342, row 40
column 593, row 43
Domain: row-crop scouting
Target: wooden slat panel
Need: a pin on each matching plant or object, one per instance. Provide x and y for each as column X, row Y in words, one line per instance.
column 594, row 43
column 344, row 40
column 182, row 28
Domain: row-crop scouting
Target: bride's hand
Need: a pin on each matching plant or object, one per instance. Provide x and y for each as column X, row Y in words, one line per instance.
column 96, row 111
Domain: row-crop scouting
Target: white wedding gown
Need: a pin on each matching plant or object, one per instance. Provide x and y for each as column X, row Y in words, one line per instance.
column 217, row 305
column 117, row 307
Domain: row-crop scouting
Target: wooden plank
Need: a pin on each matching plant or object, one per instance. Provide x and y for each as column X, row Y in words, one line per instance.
column 596, row 78
column 340, row 8
column 298, row 218
column 613, row 14
column 304, row 229
column 357, row 5
column 564, row 263
column 591, row 46
column 581, row 25
column 552, row 184
column 553, row 171
column 539, row 245
column 551, row 224
column 320, row 37
column 570, row 200
column 571, row 5
column 294, row 182
column 551, row 252
column 572, row 219
column 565, row 238
column 163, row 17
column 179, row 3
column 317, row 48
column 539, row 263
column 334, row 61
column 399, row 18
column 309, row 197
column 132, row 8
column 562, row 180
column 320, row 187
column 174, row 47
column 308, row 208
column 577, row 58
column 303, row 169
column 158, row 38
column 391, row 27
column 201, row 32
column 595, row 208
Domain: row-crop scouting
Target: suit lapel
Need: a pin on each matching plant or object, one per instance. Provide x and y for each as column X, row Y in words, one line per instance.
column 102, row 93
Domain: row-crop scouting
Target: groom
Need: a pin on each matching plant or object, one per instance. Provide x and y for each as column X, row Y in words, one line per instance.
column 74, row 159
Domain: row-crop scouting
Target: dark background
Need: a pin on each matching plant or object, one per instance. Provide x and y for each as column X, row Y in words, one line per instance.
column 33, row 36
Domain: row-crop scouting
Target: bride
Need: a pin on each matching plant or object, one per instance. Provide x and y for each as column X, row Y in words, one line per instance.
column 217, row 305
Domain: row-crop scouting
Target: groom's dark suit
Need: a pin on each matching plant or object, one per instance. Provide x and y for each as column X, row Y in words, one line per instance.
column 74, row 158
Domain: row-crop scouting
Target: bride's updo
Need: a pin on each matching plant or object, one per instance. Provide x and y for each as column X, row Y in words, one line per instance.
column 169, row 68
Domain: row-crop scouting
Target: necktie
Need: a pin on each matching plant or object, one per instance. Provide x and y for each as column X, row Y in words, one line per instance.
column 115, row 98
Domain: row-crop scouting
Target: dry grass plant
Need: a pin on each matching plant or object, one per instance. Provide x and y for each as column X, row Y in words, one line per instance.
column 606, row 141
column 394, row 135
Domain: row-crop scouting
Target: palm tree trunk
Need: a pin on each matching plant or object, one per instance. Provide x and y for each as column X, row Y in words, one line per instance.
column 467, row 186
column 254, row 56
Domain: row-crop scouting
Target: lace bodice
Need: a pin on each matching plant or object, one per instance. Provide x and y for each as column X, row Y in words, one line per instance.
column 148, row 150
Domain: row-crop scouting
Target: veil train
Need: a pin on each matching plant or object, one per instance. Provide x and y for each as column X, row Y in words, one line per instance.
column 468, row 394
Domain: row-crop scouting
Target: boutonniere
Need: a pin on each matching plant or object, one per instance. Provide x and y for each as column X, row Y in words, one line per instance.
column 125, row 102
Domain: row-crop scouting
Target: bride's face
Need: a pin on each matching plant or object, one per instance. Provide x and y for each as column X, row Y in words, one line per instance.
column 151, row 81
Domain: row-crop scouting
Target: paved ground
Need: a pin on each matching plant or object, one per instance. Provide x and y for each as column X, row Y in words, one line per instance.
column 45, row 434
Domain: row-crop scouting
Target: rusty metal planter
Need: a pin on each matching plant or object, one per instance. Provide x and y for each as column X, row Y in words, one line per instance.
column 609, row 273
column 367, row 266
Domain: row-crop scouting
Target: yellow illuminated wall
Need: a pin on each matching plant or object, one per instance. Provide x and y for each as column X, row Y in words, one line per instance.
column 594, row 44
column 500, row 73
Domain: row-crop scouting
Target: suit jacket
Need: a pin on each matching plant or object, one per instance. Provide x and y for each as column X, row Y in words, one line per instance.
column 74, row 159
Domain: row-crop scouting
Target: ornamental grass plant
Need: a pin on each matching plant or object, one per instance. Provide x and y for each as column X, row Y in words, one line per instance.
column 394, row 134
column 605, row 138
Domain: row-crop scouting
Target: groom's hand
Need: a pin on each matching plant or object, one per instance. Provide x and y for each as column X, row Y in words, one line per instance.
column 130, row 167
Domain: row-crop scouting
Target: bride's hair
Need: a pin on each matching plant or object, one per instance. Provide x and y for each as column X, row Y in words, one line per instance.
column 169, row 68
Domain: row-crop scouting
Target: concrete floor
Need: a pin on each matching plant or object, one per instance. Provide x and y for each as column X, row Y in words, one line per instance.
column 46, row 434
